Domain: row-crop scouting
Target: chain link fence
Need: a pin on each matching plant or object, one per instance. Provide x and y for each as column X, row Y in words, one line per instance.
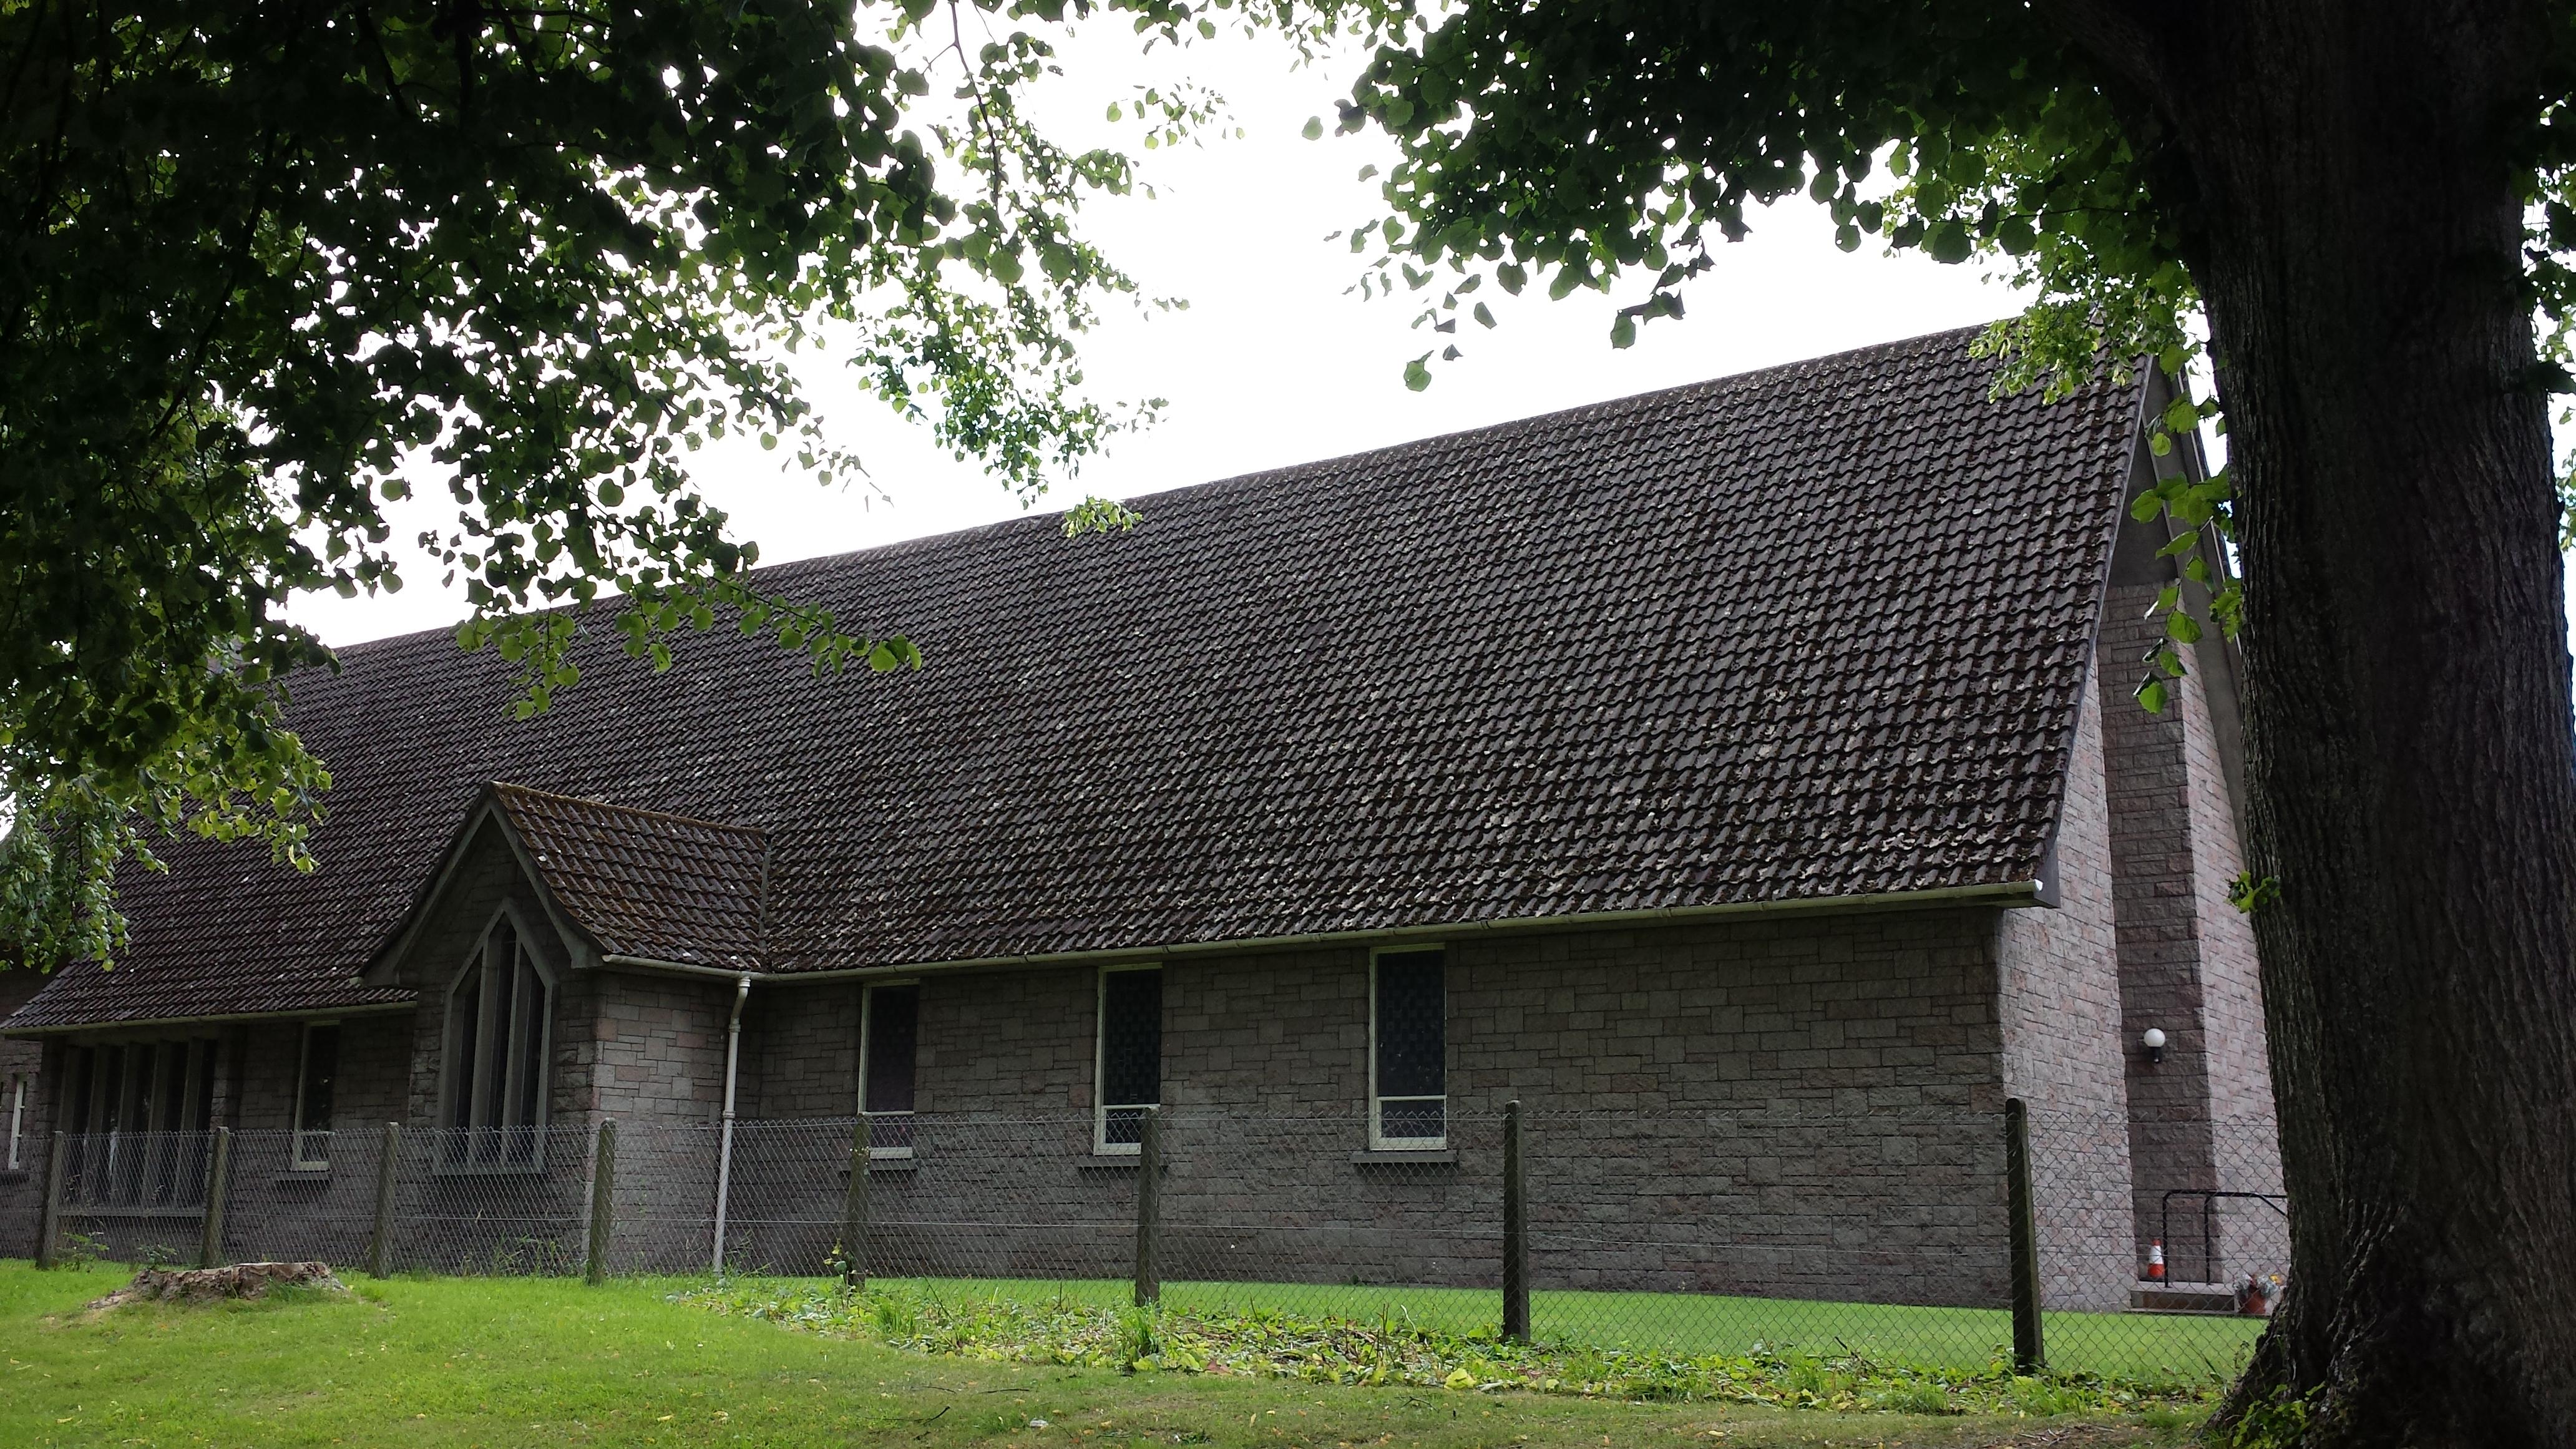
column 1880, row 1233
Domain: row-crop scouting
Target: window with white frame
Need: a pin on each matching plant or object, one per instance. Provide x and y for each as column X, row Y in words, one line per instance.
column 498, row 1013
column 317, row 1068
column 17, row 1118
column 1408, row 1050
column 889, row 1033
column 1129, row 1070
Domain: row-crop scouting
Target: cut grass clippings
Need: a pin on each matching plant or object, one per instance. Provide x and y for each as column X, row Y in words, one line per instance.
column 2188, row 1351
column 1394, row 1350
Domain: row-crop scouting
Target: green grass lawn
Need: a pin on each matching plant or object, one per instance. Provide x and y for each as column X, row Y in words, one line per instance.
column 2159, row 1348
column 460, row 1362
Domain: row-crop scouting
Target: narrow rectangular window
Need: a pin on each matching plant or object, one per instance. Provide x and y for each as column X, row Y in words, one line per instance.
column 172, row 1153
column 467, row 1019
column 204, row 1112
column 313, row 1084
column 129, row 1144
column 1131, row 1057
column 72, row 1114
column 17, row 1116
column 889, row 1040
column 1408, row 1050
column 82, row 1075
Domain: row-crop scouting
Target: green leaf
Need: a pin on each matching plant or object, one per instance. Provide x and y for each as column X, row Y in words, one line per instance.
column 1417, row 373
column 2249, row 895
column 1314, row 129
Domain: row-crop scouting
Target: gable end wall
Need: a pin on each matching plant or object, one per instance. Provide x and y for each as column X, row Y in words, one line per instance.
column 2058, row 978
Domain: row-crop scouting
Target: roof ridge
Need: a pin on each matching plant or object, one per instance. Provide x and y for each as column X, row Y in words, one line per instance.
column 1391, row 452
column 820, row 563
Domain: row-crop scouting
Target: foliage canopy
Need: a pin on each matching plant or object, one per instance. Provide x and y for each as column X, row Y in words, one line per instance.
column 259, row 258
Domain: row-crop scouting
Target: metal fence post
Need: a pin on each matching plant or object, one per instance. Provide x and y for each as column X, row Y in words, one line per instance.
column 49, row 1210
column 1516, row 1303
column 1149, row 1209
column 603, row 1201
column 380, row 1247
column 219, row 1184
column 854, row 1213
column 2030, row 1353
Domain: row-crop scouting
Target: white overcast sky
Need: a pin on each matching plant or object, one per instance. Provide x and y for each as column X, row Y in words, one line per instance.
column 1273, row 364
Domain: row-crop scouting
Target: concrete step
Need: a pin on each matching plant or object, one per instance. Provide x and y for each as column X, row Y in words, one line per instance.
column 2183, row 1298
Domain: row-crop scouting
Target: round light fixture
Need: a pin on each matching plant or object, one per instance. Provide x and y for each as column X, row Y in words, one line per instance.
column 2154, row 1042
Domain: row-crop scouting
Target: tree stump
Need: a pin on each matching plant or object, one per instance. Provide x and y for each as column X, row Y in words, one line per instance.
column 211, row 1285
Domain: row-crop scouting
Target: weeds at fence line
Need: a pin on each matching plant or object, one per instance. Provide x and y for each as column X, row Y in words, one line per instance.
column 1063, row 1331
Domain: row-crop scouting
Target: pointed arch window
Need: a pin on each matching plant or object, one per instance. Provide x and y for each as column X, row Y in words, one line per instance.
column 498, row 1016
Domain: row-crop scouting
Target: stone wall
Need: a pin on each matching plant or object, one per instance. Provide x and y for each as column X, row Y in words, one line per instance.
column 2201, row 1118
column 2059, row 987
column 1794, row 1106
column 800, row 1051
column 1791, row 1105
column 22, row 1061
column 282, row 1210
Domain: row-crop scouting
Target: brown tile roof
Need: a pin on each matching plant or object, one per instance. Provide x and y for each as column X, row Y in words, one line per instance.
column 643, row 883
column 1810, row 632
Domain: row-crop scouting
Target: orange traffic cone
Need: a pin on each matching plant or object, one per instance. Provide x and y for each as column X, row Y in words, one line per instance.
column 2156, row 1261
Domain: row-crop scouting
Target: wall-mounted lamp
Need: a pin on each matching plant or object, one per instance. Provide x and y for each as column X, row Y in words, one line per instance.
column 2154, row 1042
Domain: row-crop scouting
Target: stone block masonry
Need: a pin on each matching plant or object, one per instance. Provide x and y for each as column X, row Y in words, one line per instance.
column 1805, row 1106
column 2058, row 987
column 2187, row 957
column 22, row 1062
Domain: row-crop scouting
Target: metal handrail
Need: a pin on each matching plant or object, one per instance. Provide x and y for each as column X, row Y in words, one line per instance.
column 2209, row 1196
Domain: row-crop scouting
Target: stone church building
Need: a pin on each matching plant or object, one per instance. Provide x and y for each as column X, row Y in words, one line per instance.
column 1754, row 763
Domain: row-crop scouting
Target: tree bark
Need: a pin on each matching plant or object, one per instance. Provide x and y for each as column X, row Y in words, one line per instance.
column 2348, row 178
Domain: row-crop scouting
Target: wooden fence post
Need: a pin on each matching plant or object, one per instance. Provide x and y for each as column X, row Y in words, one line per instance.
column 1516, row 1303
column 603, row 1201
column 380, row 1247
column 2030, row 1353
column 854, row 1213
column 219, row 1186
column 1149, row 1209
column 49, row 1211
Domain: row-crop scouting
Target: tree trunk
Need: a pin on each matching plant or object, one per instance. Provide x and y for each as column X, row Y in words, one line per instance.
column 2347, row 175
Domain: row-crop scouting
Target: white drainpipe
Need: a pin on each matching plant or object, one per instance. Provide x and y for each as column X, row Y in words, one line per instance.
column 724, row 1152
